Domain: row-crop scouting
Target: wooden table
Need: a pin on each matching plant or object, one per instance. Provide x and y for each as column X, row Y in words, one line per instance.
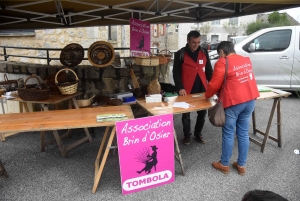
column 53, row 100
column 276, row 95
column 197, row 101
column 68, row 119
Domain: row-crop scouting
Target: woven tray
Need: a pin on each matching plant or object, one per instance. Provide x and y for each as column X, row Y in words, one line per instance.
column 34, row 92
column 72, row 55
column 67, row 88
column 101, row 54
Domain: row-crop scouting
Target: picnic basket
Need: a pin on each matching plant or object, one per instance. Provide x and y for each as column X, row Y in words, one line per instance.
column 33, row 92
column 147, row 60
column 67, row 87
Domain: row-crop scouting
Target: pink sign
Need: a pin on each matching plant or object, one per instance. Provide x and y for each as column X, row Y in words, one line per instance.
column 139, row 37
column 146, row 152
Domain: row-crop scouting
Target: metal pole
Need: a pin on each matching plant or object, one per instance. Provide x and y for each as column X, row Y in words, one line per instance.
column 4, row 51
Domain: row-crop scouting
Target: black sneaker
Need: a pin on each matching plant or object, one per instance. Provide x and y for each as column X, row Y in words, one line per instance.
column 186, row 140
column 200, row 139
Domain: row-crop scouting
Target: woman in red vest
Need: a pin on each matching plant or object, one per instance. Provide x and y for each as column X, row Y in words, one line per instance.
column 240, row 92
column 191, row 72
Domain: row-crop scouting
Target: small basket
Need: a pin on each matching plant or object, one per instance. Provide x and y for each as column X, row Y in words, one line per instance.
column 8, row 83
column 31, row 93
column 85, row 102
column 168, row 55
column 147, row 60
column 67, row 88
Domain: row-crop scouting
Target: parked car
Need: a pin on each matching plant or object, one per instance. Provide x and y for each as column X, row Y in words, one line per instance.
column 275, row 56
column 209, row 46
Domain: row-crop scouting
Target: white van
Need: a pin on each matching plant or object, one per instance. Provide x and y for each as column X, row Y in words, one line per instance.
column 275, row 56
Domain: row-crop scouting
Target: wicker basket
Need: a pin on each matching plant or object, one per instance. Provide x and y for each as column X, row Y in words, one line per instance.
column 33, row 92
column 165, row 53
column 67, row 88
column 85, row 102
column 8, row 83
column 71, row 55
column 101, row 54
column 147, row 60
column 50, row 81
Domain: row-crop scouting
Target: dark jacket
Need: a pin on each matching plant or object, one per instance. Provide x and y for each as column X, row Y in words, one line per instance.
column 177, row 70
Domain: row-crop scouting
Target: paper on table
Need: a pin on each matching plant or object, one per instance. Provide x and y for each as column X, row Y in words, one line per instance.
column 181, row 105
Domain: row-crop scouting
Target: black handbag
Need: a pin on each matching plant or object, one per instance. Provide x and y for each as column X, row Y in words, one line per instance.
column 216, row 114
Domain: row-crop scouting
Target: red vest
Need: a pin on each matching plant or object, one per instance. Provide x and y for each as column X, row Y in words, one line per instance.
column 240, row 82
column 190, row 69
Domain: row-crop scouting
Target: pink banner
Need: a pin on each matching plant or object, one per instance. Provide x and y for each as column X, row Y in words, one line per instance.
column 146, row 152
column 139, row 37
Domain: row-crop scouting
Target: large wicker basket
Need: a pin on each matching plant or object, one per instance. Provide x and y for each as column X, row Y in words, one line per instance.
column 164, row 53
column 8, row 83
column 33, row 92
column 67, row 88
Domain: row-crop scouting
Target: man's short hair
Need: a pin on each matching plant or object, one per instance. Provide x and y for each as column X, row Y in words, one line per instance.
column 226, row 46
column 193, row 34
column 262, row 195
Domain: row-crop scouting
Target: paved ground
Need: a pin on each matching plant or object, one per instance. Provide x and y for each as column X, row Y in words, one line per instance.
column 35, row 175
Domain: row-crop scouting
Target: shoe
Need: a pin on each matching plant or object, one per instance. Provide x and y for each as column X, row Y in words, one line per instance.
column 200, row 139
column 222, row 168
column 186, row 140
column 241, row 169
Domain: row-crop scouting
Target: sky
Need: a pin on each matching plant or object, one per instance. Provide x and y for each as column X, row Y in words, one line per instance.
column 294, row 12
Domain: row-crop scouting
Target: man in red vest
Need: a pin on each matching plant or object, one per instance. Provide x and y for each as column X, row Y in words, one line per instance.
column 191, row 72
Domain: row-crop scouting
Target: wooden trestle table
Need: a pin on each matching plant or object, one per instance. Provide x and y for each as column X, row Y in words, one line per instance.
column 53, row 100
column 68, row 119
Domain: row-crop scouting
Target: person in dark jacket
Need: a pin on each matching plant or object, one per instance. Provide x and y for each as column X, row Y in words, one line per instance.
column 192, row 71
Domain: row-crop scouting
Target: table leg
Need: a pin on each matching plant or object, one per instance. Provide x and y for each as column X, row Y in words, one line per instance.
column 177, row 153
column 279, row 122
column 59, row 143
column 254, row 122
column 266, row 133
column 98, row 172
column 2, row 104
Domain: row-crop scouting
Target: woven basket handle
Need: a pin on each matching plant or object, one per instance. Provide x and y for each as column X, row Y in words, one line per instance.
column 64, row 69
column 30, row 77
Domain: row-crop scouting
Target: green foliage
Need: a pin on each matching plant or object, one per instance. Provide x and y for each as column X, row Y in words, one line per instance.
column 275, row 19
column 255, row 26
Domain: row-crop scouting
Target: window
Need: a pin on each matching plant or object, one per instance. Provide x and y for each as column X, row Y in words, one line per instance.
column 272, row 41
column 161, row 29
column 234, row 21
column 216, row 22
column 214, row 38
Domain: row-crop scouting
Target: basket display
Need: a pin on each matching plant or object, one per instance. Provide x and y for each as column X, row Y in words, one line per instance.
column 67, row 88
column 71, row 55
column 85, row 102
column 147, row 60
column 101, row 54
column 34, row 92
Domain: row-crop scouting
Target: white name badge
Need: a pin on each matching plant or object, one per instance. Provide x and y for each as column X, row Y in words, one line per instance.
column 200, row 61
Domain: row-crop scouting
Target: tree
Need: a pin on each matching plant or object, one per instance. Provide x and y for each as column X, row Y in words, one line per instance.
column 204, row 28
column 255, row 26
column 232, row 28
